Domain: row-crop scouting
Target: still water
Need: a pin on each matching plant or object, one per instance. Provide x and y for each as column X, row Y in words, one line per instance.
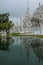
column 21, row 51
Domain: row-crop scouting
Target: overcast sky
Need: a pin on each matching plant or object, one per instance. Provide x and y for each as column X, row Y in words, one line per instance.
column 15, row 7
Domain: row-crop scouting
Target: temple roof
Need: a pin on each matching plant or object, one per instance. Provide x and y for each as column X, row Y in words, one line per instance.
column 39, row 12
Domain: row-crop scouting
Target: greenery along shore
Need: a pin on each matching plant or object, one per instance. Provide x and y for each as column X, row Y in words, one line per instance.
column 21, row 34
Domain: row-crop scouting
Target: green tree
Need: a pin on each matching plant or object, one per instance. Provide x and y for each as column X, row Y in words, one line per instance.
column 5, row 24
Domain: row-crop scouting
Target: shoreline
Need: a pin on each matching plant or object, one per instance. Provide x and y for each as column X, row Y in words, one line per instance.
column 21, row 34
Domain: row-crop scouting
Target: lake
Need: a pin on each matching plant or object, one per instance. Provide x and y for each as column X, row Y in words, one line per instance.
column 21, row 50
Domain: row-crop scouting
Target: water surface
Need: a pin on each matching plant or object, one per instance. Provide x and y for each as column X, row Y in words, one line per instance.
column 21, row 51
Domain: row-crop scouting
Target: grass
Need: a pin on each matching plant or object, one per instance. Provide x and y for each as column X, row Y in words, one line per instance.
column 21, row 34
column 16, row 34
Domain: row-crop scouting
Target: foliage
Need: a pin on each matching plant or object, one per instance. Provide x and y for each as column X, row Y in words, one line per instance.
column 4, row 21
column 4, row 17
column 16, row 34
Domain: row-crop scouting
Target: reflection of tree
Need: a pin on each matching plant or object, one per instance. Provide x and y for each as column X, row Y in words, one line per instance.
column 5, row 42
column 37, row 46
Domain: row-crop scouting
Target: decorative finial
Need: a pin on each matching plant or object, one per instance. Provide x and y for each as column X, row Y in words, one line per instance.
column 39, row 3
column 27, row 5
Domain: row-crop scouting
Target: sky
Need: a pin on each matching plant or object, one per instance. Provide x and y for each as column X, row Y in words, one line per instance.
column 18, row 7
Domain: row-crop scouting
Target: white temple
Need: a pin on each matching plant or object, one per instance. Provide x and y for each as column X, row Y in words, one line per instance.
column 39, row 14
column 26, row 24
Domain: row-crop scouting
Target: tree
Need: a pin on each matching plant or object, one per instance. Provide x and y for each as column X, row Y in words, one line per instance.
column 4, row 17
column 5, row 24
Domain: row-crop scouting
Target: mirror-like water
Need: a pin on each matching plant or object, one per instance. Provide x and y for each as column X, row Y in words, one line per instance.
column 21, row 51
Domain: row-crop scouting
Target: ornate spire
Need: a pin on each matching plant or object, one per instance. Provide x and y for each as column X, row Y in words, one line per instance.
column 39, row 4
column 28, row 6
column 27, row 15
column 26, row 21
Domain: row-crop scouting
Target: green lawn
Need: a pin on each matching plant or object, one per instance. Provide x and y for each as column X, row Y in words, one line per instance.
column 16, row 34
column 20, row 34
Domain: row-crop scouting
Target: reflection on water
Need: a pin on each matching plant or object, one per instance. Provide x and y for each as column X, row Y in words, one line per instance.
column 5, row 42
column 37, row 46
column 26, row 41
column 21, row 51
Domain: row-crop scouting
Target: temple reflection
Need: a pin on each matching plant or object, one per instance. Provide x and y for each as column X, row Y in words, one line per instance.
column 26, row 44
column 37, row 46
